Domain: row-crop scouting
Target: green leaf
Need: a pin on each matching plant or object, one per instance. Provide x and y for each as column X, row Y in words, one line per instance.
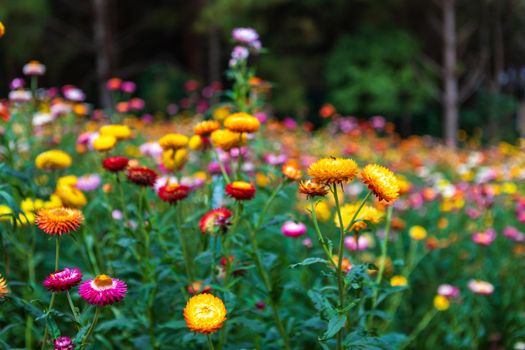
column 309, row 261
column 334, row 325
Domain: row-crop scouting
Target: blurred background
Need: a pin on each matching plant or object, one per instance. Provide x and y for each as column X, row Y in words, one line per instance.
column 432, row 67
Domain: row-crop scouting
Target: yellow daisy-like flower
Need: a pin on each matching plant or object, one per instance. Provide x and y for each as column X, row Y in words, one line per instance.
column 204, row 313
column 226, row 139
column 196, row 143
column 118, row 131
column 173, row 141
column 206, row 127
column 221, row 113
column 71, row 196
column 175, row 159
column 398, row 281
column 329, row 171
column 68, row 180
column 417, row 233
column 104, row 143
column 53, row 159
column 2, row 29
column 367, row 214
column 381, row 181
column 242, row 122
column 3, row 284
column 5, row 213
column 441, row 303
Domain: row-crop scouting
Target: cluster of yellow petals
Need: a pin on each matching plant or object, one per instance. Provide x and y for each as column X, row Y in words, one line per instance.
column 206, row 127
column 204, row 313
column 226, row 139
column 242, row 122
column 53, row 159
column 118, row 131
column 330, row 171
column 104, row 143
column 366, row 214
column 381, row 181
column 175, row 159
column 3, row 284
column 173, row 141
column 312, row 189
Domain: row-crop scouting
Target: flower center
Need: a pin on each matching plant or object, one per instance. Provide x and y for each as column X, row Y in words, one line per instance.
column 241, row 185
column 103, row 281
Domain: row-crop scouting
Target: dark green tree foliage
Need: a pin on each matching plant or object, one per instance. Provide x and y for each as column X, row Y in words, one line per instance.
column 379, row 71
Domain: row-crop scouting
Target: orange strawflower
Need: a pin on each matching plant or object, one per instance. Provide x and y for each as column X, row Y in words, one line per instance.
column 226, row 139
column 204, row 313
column 59, row 221
column 3, row 285
column 381, row 181
column 206, row 127
column 312, row 189
column 333, row 170
column 291, row 172
column 242, row 122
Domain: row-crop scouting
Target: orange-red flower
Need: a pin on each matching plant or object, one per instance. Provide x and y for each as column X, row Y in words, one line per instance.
column 206, row 127
column 3, row 287
column 59, row 221
column 240, row 190
column 291, row 172
column 142, row 176
column 312, row 189
column 216, row 219
column 172, row 193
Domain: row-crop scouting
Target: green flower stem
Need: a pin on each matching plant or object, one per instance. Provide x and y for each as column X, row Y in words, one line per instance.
column 384, row 247
column 182, row 242
column 320, row 236
column 340, row 275
column 72, row 306
column 223, row 170
column 210, row 342
column 262, row 271
column 420, row 327
column 52, row 301
column 91, row 328
column 239, row 159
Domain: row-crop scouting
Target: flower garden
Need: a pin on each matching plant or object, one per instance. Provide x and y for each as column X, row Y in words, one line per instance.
column 225, row 228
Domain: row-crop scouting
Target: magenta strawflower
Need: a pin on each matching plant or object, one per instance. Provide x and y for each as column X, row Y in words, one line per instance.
column 63, row 343
column 63, row 280
column 103, row 290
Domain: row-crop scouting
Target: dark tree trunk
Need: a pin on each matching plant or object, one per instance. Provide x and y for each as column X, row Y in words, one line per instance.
column 214, row 54
column 104, row 49
column 450, row 95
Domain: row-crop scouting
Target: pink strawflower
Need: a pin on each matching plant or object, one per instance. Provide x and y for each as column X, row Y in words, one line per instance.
column 88, row 182
column 481, row 287
column 293, row 229
column 362, row 243
column 63, row 343
column 448, row 290
column 128, row 87
column 307, row 242
column 484, row 238
column 63, row 280
column 513, row 234
column 103, row 290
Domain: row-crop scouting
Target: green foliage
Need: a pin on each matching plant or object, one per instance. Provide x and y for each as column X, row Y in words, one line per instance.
column 378, row 71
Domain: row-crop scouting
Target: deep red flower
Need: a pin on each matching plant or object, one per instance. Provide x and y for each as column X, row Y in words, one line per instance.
column 115, row 164
column 142, row 176
column 216, row 219
column 240, row 190
column 172, row 193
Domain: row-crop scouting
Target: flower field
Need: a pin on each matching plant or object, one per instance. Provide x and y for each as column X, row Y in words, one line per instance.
column 224, row 228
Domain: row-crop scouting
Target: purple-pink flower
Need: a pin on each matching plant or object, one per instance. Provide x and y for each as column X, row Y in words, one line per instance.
column 362, row 243
column 484, row 238
column 103, row 290
column 448, row 290
column 63, row 343
column 293, row 229
column 480, row 287
column 63, row 280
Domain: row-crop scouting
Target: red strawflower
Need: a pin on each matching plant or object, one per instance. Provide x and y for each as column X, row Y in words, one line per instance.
column 240, row 190
column 142, row 176
column 216, row 219
column 172, row 193
column 115, row 164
